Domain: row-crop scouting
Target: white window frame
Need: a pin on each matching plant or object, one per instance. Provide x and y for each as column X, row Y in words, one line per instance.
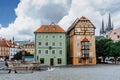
column 54, row 36
column 52, row 43
column 61, row 44
column 78, row 43
column 90, row 29
column 78, row 36
column 78, row 53
column 78, row 29
column 47, row 37
column 40, row 50
column 61, row 37
column 39, row 36
column 53, row 50
column 60, row 50
column 45, row 51
column 39, row 42
column 46, row 42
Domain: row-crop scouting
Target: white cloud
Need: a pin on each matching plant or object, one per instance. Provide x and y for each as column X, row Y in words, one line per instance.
column 94, row 10
column 31, row 14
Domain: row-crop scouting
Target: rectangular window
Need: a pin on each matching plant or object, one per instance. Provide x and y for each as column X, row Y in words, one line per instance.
column 60, row 44
column 60, row 36
column 40, row 36
column 39, row 51
column 53, row 43
column 46, row 36
column 59, row 60
column 46, row 51
column 78, row 53
column 53, row 51
column 78, row 29
column 42, row 60
column 90, row 60
column 53, row 36
column 40, row 43
column 80, row 60
column 78, row 36
column 46, row 44
column 78, row 44
column 90, row 44
column 91, row 53
column 90, row 29
column 60, row 51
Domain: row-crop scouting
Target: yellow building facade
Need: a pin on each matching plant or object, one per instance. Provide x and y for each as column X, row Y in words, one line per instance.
column 29, row 47
column 81, row 42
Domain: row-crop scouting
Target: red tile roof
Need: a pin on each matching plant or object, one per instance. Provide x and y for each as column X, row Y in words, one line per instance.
column 6, row 43
column 85, row 40
column 50, row 28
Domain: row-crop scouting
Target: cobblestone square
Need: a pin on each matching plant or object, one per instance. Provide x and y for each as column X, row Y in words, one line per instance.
column 96, row 72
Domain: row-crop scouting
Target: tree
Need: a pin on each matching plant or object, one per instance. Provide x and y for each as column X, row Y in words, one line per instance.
column 115, row 50
column 102, row 48
column 18, row 55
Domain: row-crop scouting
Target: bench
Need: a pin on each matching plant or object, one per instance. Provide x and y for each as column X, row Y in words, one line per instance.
column 21, row 68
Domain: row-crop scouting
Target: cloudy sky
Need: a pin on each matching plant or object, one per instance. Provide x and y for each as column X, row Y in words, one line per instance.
column 20, row 18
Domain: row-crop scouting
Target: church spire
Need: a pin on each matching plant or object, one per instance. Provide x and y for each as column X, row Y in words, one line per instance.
column 109, row 23
column 103, row 30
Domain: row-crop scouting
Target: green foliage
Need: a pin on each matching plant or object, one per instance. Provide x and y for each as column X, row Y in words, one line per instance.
column 107, row 48
column 102, row 47
column 18, row 55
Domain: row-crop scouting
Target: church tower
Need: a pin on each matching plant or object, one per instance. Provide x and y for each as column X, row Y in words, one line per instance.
column 102, row 30
column 109, row 27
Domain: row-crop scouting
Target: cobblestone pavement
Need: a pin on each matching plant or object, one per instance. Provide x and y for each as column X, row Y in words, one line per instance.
column 97, row 72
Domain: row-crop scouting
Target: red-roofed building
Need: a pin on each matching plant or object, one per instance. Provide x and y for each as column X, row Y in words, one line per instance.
column 7, row 48
column 50, row 45
column 4, row 48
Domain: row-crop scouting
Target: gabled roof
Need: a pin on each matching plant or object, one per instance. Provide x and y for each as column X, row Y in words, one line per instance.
column 76, row 21
column 52, row 28
column 7, row 43
column 85, row 40
column 3, row 43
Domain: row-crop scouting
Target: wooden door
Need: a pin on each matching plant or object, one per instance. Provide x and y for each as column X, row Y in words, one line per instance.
column 51, row 62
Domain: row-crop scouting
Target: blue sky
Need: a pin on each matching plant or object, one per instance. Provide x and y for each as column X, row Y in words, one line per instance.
column 7, row 13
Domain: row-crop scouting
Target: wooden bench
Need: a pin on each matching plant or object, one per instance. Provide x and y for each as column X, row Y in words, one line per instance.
column 21, row 68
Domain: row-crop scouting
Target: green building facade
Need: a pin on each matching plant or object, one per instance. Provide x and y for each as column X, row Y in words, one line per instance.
column 50, row 45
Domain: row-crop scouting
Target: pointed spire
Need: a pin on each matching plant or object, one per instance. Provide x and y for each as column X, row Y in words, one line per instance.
column 109, row 22
column 103, row 30
column 13, row 39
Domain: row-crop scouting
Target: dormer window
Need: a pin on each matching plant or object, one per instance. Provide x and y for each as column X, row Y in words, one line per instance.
column 46, row 28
